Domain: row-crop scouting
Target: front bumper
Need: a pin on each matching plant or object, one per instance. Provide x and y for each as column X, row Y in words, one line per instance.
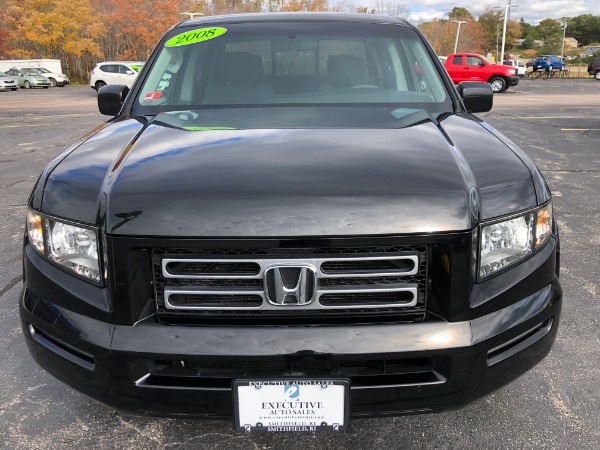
column 39, row 83
column 8, row 87
column 153, row 369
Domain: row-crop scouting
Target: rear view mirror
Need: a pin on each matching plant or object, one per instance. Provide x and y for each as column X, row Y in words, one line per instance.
column 477, row 96
column 111, row 98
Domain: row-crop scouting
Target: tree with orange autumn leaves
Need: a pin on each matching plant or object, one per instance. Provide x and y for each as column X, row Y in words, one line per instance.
column 52, row 29
column 131, row 29
column 84, row 32
column 442, row 33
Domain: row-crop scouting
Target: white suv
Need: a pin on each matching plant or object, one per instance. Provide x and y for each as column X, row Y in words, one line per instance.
column 115, row 72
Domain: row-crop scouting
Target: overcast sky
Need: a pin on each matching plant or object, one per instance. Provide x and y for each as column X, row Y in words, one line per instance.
column 531, row 10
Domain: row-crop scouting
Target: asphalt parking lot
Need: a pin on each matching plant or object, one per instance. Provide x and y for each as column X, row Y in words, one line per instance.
column 556, row 405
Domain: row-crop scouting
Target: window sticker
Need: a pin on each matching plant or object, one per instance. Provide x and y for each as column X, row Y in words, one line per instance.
column 195, row 36
column 152, row 96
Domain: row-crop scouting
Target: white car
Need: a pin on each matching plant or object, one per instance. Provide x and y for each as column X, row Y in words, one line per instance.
column 28, row 80
column 115, row 72
column 7, row 83
column 520, row 68
column 56, row 79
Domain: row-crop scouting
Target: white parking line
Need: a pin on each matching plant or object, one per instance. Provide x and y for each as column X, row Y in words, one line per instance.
column 29, row 125
column 48, row 116
column 559, row 117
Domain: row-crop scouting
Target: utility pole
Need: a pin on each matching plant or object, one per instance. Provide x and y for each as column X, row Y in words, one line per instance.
column 562, row 51
column 459, row 22
column 497, row 40
column 506, row 9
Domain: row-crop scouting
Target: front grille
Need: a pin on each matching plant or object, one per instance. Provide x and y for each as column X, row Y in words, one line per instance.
column 400, row 298
column 373, row 266
column 187, row 269
column 303, row 284
column 215, row 301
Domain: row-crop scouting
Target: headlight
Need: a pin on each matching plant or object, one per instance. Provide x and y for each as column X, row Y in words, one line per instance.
column 505, row 243
column 70, row 246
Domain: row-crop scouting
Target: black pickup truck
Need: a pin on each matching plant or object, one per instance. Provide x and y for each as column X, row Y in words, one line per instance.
column 291, row 220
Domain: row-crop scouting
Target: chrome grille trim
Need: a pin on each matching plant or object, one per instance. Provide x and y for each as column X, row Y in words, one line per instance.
column 351, row 281
column 317, row 262
column 316, row 304
column 196, row 292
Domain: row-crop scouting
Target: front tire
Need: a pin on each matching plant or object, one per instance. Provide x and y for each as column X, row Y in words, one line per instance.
column 52, row 82
column 498, row 84
column 597, row 75
column 27, row 85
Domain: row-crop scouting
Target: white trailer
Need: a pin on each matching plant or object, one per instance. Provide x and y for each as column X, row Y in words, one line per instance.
column 53, row 65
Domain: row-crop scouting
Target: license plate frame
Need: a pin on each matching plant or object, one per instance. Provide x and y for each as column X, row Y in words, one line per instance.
column 313, row 408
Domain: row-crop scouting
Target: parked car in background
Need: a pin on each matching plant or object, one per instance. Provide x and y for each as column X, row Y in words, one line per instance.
column 8, row 83
column 56, row 79
column 28, row 80
column 520, row 68
column 472, row 67
column 594, row 68
column 115, row 72
column 548, row 63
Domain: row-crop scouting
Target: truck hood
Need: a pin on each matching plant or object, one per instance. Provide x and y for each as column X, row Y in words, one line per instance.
column 155, row 180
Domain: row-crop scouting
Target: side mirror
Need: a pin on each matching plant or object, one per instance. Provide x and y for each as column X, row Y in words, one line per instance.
column 477, row 96
column 129, row 72
column 481, row 63
column 111, row 98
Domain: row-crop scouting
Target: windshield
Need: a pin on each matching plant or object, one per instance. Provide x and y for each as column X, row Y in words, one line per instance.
column 30, row 73
column 280, row 65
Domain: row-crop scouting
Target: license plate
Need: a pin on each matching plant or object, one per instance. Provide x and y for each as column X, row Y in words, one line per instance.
column 291, row 405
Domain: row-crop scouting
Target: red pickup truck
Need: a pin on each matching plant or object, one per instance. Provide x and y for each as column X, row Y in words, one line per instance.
column 473, row 67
